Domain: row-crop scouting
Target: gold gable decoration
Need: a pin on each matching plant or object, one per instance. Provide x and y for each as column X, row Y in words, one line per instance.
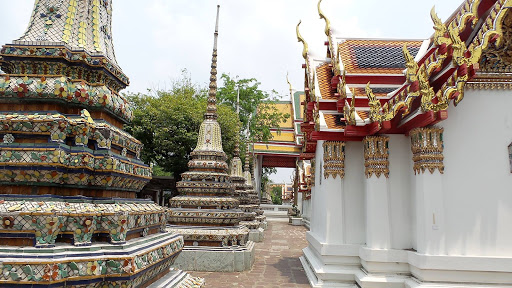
column 376, row 156
column 427, row 149
column 334, row 159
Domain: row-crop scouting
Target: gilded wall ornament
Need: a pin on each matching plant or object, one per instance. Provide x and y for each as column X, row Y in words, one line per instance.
column 376, row 156
column 427, row 149
column 334, row 159
column 313, row 171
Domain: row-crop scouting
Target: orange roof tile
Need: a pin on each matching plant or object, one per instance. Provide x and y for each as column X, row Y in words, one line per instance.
column 363, row 114
column 334, row 121
column 324, row 74
column 365, row 56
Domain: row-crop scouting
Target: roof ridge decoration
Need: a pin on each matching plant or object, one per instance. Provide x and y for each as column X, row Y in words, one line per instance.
column 310, row 74
column 289, row 84
column 465, row 60
column 349, row 111
column 328, row 32
column 305, row 49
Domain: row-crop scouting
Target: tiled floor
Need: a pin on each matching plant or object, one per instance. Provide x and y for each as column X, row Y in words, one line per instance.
column 277, row 261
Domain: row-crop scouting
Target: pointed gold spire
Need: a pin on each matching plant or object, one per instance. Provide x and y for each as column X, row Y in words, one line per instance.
column 247, row 159
column 211, row 110
column 236, row 152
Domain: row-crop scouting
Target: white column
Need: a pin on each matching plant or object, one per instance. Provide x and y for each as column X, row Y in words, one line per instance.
column 378, row 232
column 427, row 148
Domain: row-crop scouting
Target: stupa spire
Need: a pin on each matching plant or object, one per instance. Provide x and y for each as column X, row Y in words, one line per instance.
column 247, row 159
column 211, row 110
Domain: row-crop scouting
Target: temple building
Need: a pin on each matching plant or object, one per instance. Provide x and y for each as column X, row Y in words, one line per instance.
column 206, row 212
column 408, row 188
column 68, row 172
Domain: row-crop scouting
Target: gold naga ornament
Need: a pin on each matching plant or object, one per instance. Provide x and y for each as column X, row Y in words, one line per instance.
column 328, row 32
column 463, row 57
column 350, row 110
column 310, row 78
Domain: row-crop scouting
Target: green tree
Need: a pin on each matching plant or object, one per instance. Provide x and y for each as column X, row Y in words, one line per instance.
column 257, row 112
column 168, row 122
column 277, row 195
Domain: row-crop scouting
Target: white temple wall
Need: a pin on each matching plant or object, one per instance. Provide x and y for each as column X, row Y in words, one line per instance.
column 306, row 209
column 353, row 194
column 400, row 191
column 318, row 198
column 330, row 195
column 477, row 181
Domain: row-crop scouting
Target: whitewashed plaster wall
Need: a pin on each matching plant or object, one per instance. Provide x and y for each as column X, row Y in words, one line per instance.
column 477, row 183
column 400, row 191
column 306, row 209
column 328, row 194
column 354, row 219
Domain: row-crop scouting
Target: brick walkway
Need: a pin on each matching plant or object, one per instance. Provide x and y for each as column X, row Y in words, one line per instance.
column 277, row 261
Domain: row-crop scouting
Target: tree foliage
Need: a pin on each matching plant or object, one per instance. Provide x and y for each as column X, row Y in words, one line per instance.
column 168, row 122
column 277, row 195
column 257, row 112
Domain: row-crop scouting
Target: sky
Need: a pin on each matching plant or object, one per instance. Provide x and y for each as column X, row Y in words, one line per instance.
column 156, row 39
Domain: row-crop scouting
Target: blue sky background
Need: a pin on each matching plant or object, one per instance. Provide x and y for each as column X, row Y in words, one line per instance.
column 155, row 39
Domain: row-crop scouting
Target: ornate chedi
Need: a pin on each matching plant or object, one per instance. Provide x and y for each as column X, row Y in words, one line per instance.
column 252, row 207
column 205, row 212
column 63, row 155
column 238, row 178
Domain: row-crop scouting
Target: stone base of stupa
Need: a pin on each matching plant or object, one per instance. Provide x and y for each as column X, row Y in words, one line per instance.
column 256, row 235
column 136, row 263
column 178, row 279
column 216, row 259
column 215, row 249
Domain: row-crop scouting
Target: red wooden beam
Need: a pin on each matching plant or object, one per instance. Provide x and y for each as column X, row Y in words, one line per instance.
column 327, row 106
column 420, row 120
column 332, row 136
column 361, row 131
column 306, row 156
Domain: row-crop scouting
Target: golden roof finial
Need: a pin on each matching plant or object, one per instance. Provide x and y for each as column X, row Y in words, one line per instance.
column 300, row 39
column 327, row 22
column 289, row 84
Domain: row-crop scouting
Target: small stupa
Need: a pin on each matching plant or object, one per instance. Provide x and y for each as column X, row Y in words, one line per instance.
column 237, row 177
column 253, row 206
column 206, row 212
column 69, row 174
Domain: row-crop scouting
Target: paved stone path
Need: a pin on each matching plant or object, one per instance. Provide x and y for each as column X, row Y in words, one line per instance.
column 277, row 261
